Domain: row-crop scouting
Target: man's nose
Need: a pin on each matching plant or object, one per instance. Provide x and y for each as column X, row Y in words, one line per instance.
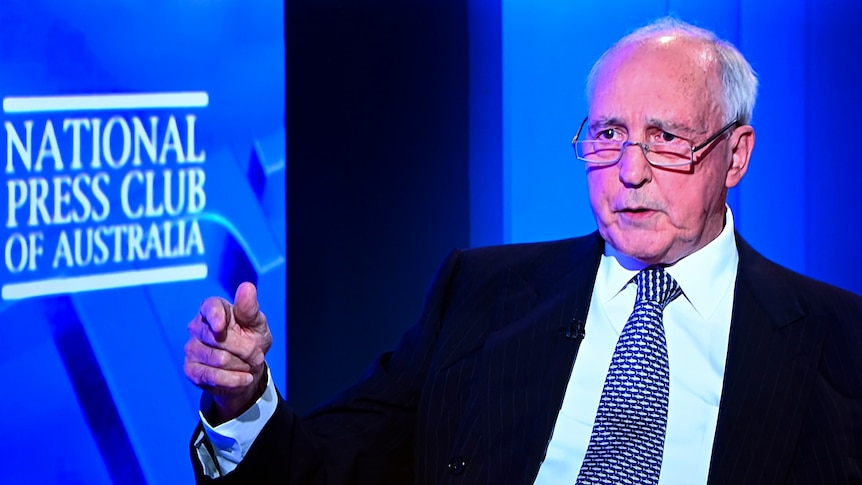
column 635, row 169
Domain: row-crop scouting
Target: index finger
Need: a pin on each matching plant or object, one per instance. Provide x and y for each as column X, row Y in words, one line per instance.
column 215, row 313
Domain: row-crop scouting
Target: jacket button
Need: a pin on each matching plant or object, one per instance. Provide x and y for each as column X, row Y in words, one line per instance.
column 457, row 465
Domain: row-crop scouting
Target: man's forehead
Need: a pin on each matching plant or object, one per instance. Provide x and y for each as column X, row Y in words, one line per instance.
column 670, row 81
column 664, row 55
column 698, row 51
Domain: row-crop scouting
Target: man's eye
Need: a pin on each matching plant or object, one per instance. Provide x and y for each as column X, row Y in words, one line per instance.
column 667, row 137
column 607, row 134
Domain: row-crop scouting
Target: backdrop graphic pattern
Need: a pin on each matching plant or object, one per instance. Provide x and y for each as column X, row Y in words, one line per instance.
column 97, row 376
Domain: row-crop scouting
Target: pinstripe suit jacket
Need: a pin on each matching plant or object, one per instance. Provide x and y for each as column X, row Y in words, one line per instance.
column 471, row 393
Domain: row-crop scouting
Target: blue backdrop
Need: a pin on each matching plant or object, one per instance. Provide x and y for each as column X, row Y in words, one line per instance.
column 122, row 213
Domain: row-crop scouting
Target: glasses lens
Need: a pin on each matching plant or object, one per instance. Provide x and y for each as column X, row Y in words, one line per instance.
column 598, row 151
column 669, row 154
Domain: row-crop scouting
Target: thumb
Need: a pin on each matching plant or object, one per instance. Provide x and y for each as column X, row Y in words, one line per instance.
column 246, row 309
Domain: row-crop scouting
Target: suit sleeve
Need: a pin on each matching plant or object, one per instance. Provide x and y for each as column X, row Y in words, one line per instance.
column 366, row 434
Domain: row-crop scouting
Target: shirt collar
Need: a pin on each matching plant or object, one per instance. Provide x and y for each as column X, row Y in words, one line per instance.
column 702, row 275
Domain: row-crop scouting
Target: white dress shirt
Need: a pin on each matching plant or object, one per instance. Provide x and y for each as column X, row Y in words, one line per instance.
column 697, row 327
column 231, row 440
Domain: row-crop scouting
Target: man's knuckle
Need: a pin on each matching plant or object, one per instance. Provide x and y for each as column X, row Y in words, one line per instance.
column 244, row 350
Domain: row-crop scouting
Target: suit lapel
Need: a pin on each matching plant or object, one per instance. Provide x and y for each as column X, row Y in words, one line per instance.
column 771, row 363
column 526, row 363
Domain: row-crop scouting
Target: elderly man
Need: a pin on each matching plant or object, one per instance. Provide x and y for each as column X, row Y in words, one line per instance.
column 662, row 349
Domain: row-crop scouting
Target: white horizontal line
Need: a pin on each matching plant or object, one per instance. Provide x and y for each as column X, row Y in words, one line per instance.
column 95, row 102
column 104, row 281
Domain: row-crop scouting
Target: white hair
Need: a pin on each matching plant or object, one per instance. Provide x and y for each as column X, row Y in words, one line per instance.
column 738, row 79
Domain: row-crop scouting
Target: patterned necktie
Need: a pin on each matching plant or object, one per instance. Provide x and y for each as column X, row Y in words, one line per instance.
column 628, row 436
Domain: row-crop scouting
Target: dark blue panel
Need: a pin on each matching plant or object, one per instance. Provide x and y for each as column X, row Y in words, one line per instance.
column 832, row 101
column 378, row 146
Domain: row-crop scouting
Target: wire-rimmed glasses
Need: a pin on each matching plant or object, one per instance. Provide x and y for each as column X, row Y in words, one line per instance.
column 659, row 154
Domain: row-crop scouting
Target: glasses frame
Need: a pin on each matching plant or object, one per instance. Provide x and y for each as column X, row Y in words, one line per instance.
column 645, row 147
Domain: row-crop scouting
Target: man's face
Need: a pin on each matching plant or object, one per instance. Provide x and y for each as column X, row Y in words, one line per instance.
column 655, row 93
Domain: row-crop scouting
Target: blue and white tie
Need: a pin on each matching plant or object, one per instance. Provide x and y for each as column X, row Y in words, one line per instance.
column 628, row 436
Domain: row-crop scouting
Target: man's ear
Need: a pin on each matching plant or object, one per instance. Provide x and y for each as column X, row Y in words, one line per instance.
column 741, row 145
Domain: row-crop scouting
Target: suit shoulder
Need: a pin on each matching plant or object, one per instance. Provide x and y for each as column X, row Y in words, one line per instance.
column 815, row 296
column 533, row 253
column 540, row 265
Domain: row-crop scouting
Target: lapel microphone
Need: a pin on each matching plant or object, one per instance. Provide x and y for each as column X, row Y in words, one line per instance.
column 575, row 330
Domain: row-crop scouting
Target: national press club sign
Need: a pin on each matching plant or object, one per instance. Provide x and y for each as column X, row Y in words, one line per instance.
column 102, row 191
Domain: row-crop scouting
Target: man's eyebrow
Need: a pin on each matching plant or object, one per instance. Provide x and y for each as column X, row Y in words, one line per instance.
column 603, row 121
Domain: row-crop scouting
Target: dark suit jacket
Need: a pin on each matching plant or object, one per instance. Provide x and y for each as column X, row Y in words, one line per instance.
column 472, row 392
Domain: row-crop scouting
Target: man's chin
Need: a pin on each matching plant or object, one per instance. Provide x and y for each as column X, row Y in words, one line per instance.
column 647, row 252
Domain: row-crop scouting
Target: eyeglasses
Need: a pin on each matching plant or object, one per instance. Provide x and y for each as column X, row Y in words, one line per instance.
column 676, row 153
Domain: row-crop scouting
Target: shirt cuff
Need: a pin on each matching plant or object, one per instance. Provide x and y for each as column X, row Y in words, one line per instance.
column 230, row 441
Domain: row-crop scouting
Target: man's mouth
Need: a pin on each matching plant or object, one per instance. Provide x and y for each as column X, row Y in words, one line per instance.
column 637, row 213
column 636, row 210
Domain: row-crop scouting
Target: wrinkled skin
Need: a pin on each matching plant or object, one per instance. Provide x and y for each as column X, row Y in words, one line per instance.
column 666, row 89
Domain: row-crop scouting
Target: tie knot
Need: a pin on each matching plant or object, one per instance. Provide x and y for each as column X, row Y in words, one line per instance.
column 655, row 285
